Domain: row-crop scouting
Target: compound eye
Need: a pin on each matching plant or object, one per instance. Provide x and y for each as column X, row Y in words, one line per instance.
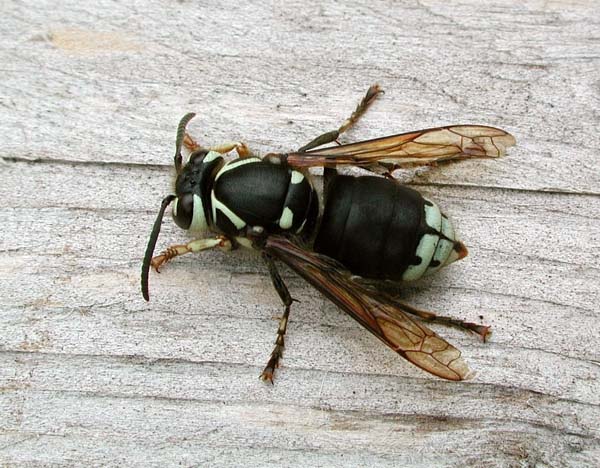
column 183, row 210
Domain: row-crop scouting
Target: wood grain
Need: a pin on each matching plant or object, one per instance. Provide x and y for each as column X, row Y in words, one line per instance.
column 90, row 374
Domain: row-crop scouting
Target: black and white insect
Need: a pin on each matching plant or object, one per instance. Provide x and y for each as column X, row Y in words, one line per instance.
column 361, row 234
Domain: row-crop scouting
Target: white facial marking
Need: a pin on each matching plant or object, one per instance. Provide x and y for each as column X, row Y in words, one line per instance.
column 425, row 250
column 234, row 164
column 287, row 218
column 238, row 222
column 198, row 218
column 297, row 177
column 211, row 156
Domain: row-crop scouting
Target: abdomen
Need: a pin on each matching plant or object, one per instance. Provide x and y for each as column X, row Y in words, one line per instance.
column 381, row 229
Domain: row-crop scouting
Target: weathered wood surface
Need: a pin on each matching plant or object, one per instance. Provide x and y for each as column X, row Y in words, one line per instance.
column 91, row 374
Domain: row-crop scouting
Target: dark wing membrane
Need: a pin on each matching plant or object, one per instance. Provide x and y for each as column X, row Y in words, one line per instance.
column 376, row 312
column 422, row 147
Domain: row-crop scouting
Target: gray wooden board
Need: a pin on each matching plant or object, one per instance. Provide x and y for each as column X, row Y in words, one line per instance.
column 90, row 374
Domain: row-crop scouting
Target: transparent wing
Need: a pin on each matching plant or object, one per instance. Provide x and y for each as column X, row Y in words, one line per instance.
column 428, row 146
column 373, row 310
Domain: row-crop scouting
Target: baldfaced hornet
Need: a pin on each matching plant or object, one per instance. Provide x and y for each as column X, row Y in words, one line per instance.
column 361, row 235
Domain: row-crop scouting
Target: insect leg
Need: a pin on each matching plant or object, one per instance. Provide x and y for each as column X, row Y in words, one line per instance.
column 333, row 135
column 242, row 149
column 481, row 330
column 284, row 294
column 196, row 245
column 190, row 143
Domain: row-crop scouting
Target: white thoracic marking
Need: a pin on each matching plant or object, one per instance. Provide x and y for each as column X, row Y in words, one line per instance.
column 297, row 177
column 211, row 156
column 238, row 222
column 233, row 164
column 198, row 217
column 433, row 216
column 175, row 207
column 287, row 218
column 425, row 251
